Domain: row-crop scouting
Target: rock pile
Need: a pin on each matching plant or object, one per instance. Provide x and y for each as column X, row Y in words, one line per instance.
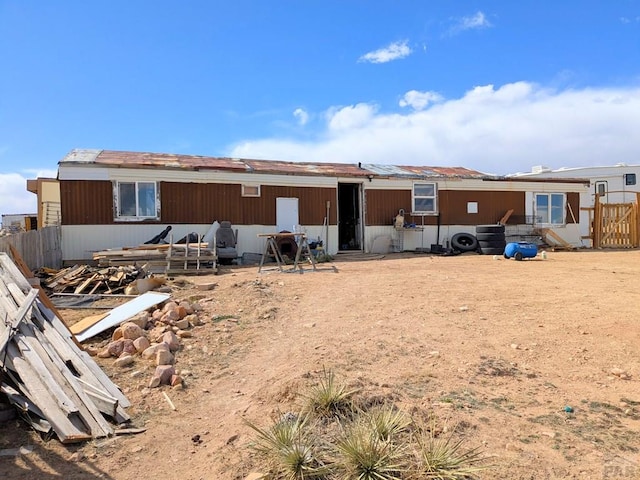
column 154, row 336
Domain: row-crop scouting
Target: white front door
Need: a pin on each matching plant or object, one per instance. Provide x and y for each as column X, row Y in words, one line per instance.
column 287, row 214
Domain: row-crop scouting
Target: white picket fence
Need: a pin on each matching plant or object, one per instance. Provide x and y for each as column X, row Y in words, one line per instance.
column 38, row 248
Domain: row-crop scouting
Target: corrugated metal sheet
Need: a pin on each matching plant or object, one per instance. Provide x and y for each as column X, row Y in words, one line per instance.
column 124, row 159
column 80, row 155
column 443, row 172
column 303, row 168
column 167, row 160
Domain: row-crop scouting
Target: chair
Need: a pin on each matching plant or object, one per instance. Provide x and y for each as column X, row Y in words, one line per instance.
column 226, row 240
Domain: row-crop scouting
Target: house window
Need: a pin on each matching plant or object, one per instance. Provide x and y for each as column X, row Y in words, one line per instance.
column 550, row 208
column 136, row 200
column 250, row 190
column 629, row 178
column 424, row 198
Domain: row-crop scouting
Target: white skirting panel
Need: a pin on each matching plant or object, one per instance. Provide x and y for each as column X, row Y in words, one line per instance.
column 80, row 241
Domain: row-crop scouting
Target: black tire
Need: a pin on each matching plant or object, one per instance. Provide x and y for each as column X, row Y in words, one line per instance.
column 490, row 229
column 490, row 237
column 493, row 244
column 464, row 242
column 518, row 256
column 492, row 251
column 505, row 256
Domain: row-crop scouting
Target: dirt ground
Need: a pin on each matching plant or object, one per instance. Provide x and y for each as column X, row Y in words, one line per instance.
column 496, row 348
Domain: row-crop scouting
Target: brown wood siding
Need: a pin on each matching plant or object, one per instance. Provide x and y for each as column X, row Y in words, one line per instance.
column 491, row 206
column 203, row 203
column 573, row 199
column 86, row 202
column 382, row 206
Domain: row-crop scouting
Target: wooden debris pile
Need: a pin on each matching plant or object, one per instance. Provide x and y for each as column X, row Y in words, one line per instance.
column 168, row 258
column 57, row 386
column 85, row 279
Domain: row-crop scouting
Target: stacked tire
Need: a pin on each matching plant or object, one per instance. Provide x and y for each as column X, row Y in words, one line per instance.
column 491, row 239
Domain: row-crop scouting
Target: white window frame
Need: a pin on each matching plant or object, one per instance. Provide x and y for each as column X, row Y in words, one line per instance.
column 546, row 217
column 119, row 216
column 246, row 190
column 414, row 196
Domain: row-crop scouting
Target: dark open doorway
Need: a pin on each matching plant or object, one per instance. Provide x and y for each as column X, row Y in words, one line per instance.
column 349, row 221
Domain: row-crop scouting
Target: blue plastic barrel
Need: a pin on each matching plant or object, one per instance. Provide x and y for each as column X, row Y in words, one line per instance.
column 520, row 250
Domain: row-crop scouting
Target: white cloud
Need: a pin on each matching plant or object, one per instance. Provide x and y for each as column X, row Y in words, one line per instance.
column 473, row 22
column 391, row 52
column 14, row 196
column 419, row 100
column 301, row 115
column 352, row 117
column 498, row 130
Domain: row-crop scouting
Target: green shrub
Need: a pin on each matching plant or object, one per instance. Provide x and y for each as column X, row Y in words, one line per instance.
column 290, row 449
column 328, row 398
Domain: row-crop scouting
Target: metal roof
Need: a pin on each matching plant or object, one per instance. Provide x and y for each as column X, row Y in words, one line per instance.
column 124, row 159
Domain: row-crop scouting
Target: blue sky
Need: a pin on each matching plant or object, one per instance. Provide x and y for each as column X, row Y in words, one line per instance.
column 497, row 86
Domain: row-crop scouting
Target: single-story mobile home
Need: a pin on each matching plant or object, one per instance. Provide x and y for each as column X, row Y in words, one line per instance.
column 111, row 199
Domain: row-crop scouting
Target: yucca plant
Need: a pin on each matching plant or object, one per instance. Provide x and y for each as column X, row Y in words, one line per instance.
column 289, row 448
column 440, row 457
column 328, row 398
column 363, row 455
column 386, row 421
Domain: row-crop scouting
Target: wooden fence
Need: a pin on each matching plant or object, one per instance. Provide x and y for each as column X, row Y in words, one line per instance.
column 38, row 248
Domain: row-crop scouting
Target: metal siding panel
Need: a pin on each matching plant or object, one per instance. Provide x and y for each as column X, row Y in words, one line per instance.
column 491, row 206
column 383, row 205
column 86, row 202
column 204, row 203
column 80, row 241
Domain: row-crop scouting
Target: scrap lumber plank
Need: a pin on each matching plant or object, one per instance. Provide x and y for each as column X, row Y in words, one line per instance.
column 505, row 218
column 97, row 285
column 80, row 288
column 65, row 426
column 105, row 402
column 86, row 322
column 16, row 318
column 22, row 354
column 34, row 416
column 88, row 369
column 23, row 269
column 35, row 347
column 557, row 238
column 60, row 373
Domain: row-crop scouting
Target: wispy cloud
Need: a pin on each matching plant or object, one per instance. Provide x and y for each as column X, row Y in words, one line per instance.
column 301, row 115
column 419, row 100
column 499, row 130
column 473, row 22
column 630, row 19
column 394, row 51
